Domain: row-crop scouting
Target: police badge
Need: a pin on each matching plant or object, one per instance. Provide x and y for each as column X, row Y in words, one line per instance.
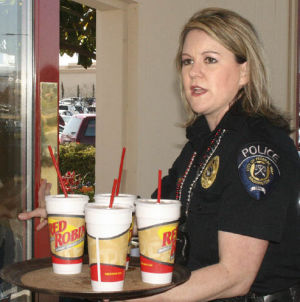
column 210, row 172
column 258, row 169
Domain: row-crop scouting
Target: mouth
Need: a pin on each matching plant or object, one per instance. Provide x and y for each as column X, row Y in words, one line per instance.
column 197, row 90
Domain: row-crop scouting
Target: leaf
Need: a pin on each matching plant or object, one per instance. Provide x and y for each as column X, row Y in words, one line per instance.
column 78, row 31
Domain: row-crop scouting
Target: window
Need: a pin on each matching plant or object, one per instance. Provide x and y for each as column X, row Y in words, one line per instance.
column 90, row 129
column 15, row 132
column 73, row 125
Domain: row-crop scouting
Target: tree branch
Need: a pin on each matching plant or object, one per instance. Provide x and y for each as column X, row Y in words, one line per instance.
column 77, row 49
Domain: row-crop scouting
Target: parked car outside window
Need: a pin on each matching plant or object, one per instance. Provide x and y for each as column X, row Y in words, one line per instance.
column 80, row 129
column 90, row 109
column 65, row 107
column 66, row 115
column 78, row 109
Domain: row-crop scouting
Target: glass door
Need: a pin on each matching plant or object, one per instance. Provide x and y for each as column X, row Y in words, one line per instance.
column 298, row 84
column 16, row 120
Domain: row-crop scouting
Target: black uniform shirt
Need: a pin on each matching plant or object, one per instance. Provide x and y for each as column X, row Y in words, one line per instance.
column 249, row 185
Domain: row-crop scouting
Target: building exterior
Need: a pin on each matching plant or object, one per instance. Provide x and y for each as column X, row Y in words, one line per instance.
column 76, row 81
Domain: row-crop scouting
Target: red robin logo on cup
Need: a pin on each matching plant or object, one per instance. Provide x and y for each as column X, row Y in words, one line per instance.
column 66, row 237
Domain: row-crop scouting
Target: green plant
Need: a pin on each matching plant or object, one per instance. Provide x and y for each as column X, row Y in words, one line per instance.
column 81, row 159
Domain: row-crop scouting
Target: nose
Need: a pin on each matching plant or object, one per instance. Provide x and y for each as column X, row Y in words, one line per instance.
column 196, row 70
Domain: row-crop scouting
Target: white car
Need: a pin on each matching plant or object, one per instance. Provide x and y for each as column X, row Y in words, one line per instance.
column 66, row 107
column 66, row 115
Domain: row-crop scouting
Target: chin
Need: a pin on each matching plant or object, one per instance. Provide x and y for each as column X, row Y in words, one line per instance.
column 197, row 110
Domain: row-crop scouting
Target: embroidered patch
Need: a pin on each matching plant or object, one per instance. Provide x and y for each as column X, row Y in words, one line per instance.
column 210, row 172
column 258, row 169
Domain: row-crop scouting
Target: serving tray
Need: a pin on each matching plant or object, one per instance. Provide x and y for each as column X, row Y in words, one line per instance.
column 37, row 275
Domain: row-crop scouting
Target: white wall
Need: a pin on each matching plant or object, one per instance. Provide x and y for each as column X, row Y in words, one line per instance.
column 72, row 75
column 136, row 82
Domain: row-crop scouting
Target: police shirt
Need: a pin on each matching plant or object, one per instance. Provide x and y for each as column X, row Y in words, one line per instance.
column 241, row 178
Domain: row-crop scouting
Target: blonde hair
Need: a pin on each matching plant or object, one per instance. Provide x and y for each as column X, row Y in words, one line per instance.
column 239, row 36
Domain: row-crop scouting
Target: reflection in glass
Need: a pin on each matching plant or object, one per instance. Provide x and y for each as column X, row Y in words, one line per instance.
column 15, row 130
column 49, row 101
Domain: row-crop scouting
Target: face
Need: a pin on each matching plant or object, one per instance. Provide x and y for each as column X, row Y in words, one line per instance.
column 211, row 76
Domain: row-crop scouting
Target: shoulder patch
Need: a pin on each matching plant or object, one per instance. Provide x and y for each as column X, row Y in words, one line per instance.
column 258, row 169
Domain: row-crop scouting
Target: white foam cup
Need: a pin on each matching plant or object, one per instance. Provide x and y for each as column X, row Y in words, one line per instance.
column 122, row 199
column 157, row 230
column 107, row 232
column 67, row 231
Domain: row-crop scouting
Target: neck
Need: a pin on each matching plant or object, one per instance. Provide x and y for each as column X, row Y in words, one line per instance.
column 213, row 120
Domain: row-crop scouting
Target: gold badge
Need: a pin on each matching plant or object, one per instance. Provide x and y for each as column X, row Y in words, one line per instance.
column 210, row 172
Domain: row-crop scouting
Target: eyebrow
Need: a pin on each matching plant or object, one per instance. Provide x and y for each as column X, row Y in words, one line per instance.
column 203, row 53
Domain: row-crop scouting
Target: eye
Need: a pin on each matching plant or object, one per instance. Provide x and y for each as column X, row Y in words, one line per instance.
column 210, row 60
column 186, row 62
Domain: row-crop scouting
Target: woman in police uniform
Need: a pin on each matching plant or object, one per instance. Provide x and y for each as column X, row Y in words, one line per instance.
column 238, row 175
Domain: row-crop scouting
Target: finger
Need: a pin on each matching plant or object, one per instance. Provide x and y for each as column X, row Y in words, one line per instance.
column 38, row 212
column 41, row 225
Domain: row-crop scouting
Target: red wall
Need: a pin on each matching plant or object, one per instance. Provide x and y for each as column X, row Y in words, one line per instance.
column 46, row 55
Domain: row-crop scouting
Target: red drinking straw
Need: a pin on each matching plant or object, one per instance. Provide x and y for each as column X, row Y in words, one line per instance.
column 120, row 171
column 159, row 186
column 57, row 171
column 112, row 196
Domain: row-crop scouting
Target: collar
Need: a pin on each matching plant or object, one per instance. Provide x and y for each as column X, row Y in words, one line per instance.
column 199, row 133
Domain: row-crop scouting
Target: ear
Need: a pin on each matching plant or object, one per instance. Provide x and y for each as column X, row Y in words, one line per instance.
column 244, row 74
